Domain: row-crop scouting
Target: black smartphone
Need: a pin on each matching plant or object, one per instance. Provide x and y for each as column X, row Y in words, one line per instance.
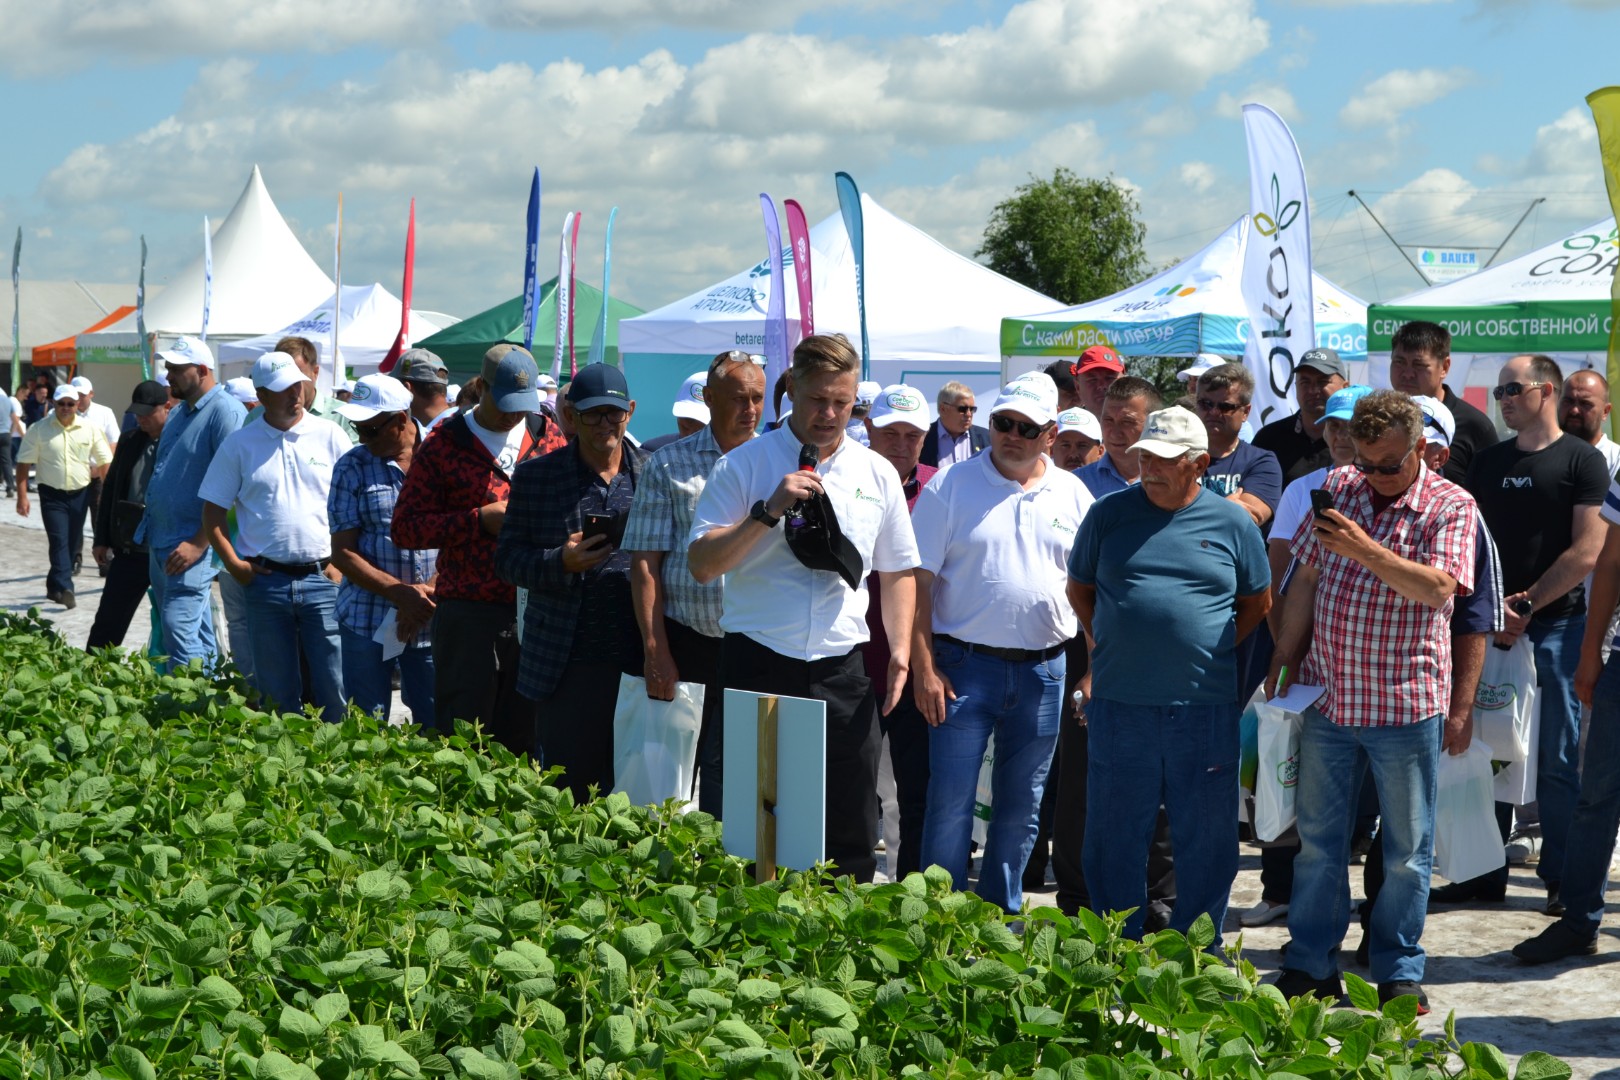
column 598, row 525
column 1321, row 502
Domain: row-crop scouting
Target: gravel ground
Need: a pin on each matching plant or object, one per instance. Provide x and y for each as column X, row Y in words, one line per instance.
column 1569, row 1009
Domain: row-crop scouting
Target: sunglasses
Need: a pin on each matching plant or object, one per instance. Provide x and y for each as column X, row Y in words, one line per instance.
column 1514, row 389
column 965, row 410
column 1026, row 429
column 607, row 414
column 1382, row 470
column 735, row 356
column 1225, row 408
column 370, row 431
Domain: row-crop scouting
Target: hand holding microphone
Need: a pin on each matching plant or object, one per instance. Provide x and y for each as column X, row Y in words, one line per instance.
column 796, row 486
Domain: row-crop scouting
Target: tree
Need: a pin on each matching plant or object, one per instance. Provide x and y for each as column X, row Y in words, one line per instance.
column 1071, row 237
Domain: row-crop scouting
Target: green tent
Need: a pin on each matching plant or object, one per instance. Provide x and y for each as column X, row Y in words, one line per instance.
column 463, row 345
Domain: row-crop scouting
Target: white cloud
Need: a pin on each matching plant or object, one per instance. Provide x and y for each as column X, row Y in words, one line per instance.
column 1279, row 99
column 1197, row 175
column 1384, row 100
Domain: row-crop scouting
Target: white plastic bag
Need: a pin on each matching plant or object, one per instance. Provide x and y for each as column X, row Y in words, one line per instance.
column 1505, row 703
column 655, row 742
column 1467, row 842
column 1276, row 777
column 982, row 796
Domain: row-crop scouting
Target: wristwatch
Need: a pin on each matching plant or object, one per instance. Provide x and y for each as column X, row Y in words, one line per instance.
column 1523, row 606
column 763, row 516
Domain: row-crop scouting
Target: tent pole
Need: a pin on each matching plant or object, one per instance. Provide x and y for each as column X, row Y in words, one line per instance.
column 1533, row 204
column 1392, row 240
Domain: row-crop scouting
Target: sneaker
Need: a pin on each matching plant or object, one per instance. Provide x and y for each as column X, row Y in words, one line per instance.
column 1266, row 911
column 1556, row 942
column 1293, row 984
column 1555, row 906
column 1524, row 847
column 1389, row 991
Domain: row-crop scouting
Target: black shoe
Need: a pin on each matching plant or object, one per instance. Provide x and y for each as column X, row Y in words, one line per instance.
column 1389, row 991
column 53, row 596
column 1555, row 943
column 1555, row 906
column 1293, row 984
column 66, row 600
column 78, row 565
column 1477, row 891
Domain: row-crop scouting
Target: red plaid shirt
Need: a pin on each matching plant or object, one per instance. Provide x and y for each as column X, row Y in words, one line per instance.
column 1386, row 660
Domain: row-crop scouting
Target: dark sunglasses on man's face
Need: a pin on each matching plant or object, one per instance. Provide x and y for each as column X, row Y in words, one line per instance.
column 1514, row 389
column 1382, row 470
column 1026, row 429
column 370, row 431
column 1225, row 408
column 965, row 410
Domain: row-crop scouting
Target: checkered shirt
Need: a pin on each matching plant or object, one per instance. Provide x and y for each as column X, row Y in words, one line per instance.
column 364, row 491
column 1386, row 660
column 661, row 518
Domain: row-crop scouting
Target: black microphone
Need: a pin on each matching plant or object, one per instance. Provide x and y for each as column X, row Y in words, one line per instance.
column 808, row 457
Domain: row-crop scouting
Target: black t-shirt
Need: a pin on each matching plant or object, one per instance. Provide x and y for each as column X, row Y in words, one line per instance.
column 1474, row 433
column 1297, row 452
column 1529, row 501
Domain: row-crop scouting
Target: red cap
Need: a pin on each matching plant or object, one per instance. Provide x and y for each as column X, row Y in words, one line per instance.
column 1099, row 356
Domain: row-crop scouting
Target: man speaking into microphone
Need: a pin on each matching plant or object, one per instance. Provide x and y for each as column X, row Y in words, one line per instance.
column 796, row 546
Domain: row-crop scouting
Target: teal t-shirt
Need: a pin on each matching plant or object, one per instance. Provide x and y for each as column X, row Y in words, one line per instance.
column 1166, row 588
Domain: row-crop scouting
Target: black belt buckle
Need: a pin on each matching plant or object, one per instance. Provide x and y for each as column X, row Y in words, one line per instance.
column 292, row 570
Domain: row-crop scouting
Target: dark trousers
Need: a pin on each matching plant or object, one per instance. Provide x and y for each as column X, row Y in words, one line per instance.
column 128, row 578
column 852, row 737
column 63, row 514
column 94, row 489
column 8, row 472
column 697, row 658
column 573, row 727
column 475, row 662
column 908, row 758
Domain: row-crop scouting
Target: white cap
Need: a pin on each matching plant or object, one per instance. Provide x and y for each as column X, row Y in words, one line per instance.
column 1079, row 420
column 866, row 392
column 1172, row 432
column 545, row 382
column 373, row 395
column 1033, row 394
column 83, row 385
column 1203, row 363
column 901, row 404
column 160, row 374
column 690, row 402
column 241, row 388
column 1439, row 426
column 276, row 371
column 65, row 392
column 453, row 391
column 187, row 350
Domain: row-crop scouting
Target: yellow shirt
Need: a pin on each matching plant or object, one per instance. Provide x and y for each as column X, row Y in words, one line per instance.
column 63, row 456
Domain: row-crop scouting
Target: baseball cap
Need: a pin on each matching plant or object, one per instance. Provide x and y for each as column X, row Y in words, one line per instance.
column 187, row 350
column 1438, row 424
column 1324, row 360
column 901, row 404
column 65, row 392
column 423, row 366
column 599, row 384
column 373, row 395
column 512, row 384
column 276, row 371
column 1079, row 420
column 83, row 385
column 1201, row 364
column 1034, row 394
column 867, row 392
column 1342, row 405
column 495, row 354
column 690, row 403
column 148, row 395
column 1099, row 356
column 1172, row 432
column 547, row 382
column 241, row 388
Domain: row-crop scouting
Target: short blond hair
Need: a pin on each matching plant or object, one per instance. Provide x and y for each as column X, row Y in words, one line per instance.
column 824, row 354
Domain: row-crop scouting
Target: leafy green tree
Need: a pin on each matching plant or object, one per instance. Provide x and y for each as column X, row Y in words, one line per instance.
column 1073, row 238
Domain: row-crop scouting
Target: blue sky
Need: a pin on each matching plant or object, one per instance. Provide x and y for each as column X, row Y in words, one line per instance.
column 131, row 118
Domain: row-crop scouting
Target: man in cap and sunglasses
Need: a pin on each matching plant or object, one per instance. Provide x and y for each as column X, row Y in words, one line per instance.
column 65, row 451
column 954, row 437
column 1298, row 441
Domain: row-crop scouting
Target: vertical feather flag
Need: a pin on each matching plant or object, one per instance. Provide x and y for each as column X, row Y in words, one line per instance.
column 560, row 297
column 1605, row 105
column 338, row 378
column 16, row 311
column 849, row 204
column 799, row 239
column 776, row 349
column 573, row 262
column 1276, row 280
column 531, row 263
column 403, row 341
column 598, row 352
column 140, row 316
column 208, row 277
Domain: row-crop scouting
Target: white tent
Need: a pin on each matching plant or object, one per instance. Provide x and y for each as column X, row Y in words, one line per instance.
column 932, row 313
column 370, row 324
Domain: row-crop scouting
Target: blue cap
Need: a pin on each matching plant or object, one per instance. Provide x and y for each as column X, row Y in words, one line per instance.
column 1342, row 405
column 515, row 382
column 599, row 384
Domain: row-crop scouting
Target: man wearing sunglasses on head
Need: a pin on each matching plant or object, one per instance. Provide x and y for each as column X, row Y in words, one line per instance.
column 954, row 437
column 1237, row 470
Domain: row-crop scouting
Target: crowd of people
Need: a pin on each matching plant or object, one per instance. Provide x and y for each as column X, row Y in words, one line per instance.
column 1097, row 579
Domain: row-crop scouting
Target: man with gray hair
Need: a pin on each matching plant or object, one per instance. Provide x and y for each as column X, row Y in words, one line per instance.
column 1237, row 470
column 954, row 437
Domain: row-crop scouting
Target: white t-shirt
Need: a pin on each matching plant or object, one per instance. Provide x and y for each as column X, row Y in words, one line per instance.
column 995, row 548
column 98, row 415
column 1294, row 505
column 770, row 595
column 278, row 482
column 503, row 446
column 11, row 412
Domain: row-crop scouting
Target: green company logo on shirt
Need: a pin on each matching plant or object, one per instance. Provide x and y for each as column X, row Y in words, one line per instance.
column 1062, row 526
column 864, row 497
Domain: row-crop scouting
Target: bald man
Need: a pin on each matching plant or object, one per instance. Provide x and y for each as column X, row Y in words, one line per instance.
column 1583, row 411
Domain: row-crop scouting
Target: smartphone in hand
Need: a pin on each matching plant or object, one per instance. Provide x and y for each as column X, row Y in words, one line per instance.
column 1321, row 502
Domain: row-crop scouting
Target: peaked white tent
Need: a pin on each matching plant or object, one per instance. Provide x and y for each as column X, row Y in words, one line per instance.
column 370, row 324
column 1194, row 307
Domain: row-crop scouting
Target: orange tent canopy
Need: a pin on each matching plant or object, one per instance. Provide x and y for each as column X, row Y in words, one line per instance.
column 59, row 353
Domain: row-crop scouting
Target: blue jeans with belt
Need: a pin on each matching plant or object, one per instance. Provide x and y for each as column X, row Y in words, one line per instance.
column 286, row 613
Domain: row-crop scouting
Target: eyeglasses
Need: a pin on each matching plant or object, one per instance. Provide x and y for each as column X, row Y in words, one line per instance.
column 370, row 431
column 1382, row 470
column 1225, row 408
column 735, row 356
column 605, row 414
column 1514, row 389
column 965, row 410
column 1026, row 429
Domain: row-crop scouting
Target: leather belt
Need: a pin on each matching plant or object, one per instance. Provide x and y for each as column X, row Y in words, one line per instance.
column 296, row 570
column 1012, row 656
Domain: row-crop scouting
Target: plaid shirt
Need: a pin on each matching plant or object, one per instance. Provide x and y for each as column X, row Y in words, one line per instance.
column 544, row 509
column 1386, row 660
column 364, row 491
column 661, row 518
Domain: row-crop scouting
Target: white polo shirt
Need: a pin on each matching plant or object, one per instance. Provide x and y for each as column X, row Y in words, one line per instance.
column 1294, row 505
column 770, row 595
column 1000, row 554
column 99, row 416
column 278, row 481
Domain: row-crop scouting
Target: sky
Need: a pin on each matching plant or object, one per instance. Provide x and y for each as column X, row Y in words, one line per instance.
column 140, row 117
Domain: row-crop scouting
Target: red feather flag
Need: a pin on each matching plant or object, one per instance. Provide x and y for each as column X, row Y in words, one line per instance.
column 403, row 341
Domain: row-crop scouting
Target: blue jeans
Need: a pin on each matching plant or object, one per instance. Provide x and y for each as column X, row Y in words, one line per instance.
column 183, row 604
column 1332, row 759
column 367, row 678
column 1597, row 813
column 63, row 515
column 1020, row 704
column 285, row 614
column 1186, row 758
column 1558, row 777
column 233, row 598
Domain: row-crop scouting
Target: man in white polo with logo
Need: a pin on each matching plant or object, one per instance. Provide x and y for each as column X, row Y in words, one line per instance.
column 994, row 534
column 277, row 476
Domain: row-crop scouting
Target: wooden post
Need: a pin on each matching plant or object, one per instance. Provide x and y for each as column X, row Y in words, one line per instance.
column 765, row 808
